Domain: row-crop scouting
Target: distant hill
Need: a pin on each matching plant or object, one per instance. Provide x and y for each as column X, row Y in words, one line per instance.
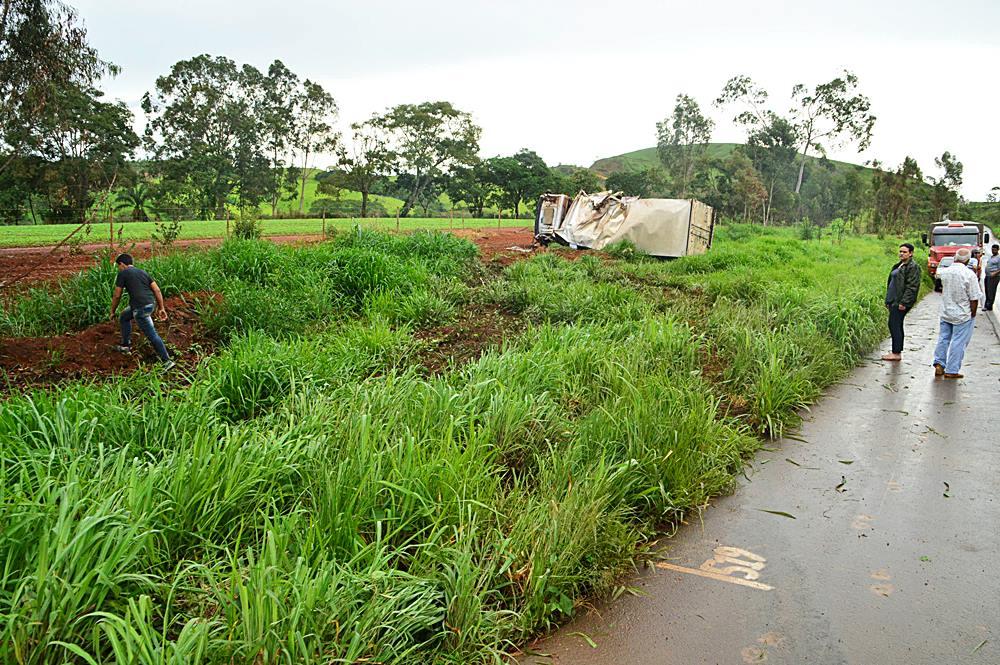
column 647, row 157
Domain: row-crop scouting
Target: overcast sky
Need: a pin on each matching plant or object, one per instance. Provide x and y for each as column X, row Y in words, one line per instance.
column 576, row 81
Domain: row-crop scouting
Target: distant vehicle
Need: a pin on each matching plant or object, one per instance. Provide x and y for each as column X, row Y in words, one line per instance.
column 946, row 238
column 665, row 228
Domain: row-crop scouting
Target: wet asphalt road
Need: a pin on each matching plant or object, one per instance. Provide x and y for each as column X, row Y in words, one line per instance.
column 894, row 552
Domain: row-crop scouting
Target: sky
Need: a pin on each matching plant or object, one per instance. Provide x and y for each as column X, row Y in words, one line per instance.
column 579, row 80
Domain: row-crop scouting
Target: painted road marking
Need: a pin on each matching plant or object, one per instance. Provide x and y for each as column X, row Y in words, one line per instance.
column 730, row 564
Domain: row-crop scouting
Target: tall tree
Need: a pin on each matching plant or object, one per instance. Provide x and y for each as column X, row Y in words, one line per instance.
column 944, row 195
column 205, row 130
column 316, row 112
column 637, row 182
column 681, row 141
column 429, row 139
column 521, row 177
column 85, row 147
column 44, row 58
column 368, row 161
column 747, row 193
column 771, row 147
column 832, row 111
column 472, row 186
column 279, row 126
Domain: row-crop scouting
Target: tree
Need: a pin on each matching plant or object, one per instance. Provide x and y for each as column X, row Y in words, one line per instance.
column 429, row 139
column 895, row 193
column 521, row 177
column 637, row 182
column 280, row 124
column 944, row 196
column 137, row 199
column 748, row 193
column 84, row 147
column 573, row 179
column 205, row 129
column 772, row 147
column 681, row 141
column 472, row 186
column 368, row 162
column 316, row 111
column 831, row 111
column 44, row 58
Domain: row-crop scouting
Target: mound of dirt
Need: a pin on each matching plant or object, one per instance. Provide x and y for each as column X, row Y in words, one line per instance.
column 31, row 361
column 478, row 329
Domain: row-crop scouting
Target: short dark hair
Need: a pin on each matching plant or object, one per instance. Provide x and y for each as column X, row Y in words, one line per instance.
column 994, row 246
column 124, row 259
column 907, row 246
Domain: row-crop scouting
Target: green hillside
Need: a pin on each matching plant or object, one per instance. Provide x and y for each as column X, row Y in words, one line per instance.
column 647, row 157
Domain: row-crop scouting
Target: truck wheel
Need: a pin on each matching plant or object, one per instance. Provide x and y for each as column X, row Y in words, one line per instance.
column 937, row 285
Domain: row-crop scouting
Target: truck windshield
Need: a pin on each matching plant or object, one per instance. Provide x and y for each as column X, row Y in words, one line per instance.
column 952, row 238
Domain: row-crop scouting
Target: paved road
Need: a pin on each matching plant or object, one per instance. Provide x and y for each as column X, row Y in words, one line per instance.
column 891, row 558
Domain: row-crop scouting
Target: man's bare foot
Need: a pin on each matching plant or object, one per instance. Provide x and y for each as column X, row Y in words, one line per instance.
column 892, row 356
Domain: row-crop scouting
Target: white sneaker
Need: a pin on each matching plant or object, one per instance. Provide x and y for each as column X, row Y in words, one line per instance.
column 168, row 365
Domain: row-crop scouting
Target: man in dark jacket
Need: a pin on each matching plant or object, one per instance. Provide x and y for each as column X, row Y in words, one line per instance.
column 900, row 296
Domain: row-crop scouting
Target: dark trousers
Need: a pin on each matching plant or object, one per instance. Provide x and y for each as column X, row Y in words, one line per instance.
column 896, row 327
column 991, row 290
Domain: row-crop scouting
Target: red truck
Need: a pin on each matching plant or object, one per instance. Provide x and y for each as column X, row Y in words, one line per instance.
column 946, row 238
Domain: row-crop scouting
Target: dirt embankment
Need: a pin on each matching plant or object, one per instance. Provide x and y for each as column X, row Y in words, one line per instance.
column 31, row 361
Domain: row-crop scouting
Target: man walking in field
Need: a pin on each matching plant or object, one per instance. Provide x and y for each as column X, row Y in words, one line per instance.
column 960, row 297
column 992, row 277
column 143, row 298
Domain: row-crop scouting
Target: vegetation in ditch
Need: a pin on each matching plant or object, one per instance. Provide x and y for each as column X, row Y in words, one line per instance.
column 315, row 498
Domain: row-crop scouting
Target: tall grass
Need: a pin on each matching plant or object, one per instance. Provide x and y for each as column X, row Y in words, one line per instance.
column 314, row 498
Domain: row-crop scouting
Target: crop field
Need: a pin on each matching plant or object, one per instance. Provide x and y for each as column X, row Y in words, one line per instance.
column 381, row 449
column 50, row 234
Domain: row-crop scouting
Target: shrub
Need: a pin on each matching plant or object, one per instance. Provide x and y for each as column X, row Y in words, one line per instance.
column 246, row 224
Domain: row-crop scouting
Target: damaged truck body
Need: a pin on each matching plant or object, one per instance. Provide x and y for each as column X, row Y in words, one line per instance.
column 665, row 228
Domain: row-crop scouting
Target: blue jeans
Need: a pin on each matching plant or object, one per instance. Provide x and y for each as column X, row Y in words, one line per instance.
column 143, row 316
column 952, row 340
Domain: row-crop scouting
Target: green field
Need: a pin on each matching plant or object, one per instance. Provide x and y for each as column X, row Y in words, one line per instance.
column 50, row 234
column 312, row 494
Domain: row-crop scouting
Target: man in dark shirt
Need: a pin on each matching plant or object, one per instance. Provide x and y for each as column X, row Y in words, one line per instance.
column 143, row 298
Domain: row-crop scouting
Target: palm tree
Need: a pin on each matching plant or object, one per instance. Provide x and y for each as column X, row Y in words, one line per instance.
column 138, row 199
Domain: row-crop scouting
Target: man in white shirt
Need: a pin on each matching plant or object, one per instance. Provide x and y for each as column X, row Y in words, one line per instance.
column 960, row 297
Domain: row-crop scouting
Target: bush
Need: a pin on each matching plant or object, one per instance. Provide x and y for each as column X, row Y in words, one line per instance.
column 246, row 225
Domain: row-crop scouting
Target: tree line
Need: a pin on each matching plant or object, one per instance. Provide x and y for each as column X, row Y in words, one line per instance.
column 221, row 136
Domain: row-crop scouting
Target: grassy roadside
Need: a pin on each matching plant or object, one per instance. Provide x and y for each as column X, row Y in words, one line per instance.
column 50, row 234
column 314, row 497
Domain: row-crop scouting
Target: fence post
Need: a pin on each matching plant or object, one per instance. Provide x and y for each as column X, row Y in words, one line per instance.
column 324, row 223
column 111, row 228
column 397, row 221
column 499, row 212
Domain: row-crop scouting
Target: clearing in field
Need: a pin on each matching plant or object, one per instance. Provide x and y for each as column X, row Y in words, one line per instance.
column 389, row 448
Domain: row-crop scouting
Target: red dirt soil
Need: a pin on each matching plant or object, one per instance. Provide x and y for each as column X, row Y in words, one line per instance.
column 30, row 361
column 478, row 329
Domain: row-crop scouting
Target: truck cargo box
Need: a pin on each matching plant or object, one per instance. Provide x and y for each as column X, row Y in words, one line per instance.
column 667, row 228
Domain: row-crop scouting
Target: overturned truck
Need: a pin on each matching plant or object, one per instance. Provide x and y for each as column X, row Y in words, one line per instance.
column 666, row 228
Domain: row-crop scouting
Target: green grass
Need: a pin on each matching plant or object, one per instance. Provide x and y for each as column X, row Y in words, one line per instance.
column 310, row 495
column 50, row 234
